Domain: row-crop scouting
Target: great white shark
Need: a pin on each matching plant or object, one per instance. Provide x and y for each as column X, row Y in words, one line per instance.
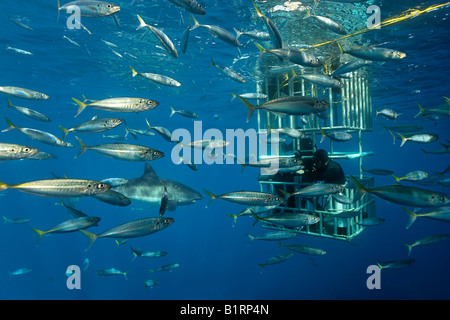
column 149, row 190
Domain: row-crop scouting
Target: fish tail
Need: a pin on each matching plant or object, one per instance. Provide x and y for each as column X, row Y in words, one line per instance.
column 257, row 10
column 260, row 47
column 211, row 195
column 65, row 132
column 361, row 190
column 447, row 100
column 234, row 217
column 149, row 270
column 308, row 14
column 404, row 139
column 3, row 186
column 83, row 147
column 250, row 107
column 280, row 244
column 40, row 233
column 396, row 178
column 10, row 125
column 212, row 62
column 134, row 72
column 59, row 8
column 92, row 237
column 250, row 237
column 393, row 135
column 9, row 104
column 238, row 33
column 421, row 110
column 142, row 23
column 148, row 124
column 173, row 111
column 409, row 246
column 81, row 106
column 379, row 264
column 412, row 217
column 125, row 274
column 287, row 194
column 324, row 135
column 196, row 24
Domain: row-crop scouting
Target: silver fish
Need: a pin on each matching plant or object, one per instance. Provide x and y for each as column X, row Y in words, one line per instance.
column 92, row 9
column 158, row 78
column 218, row 32
column 96, row 125
column 274, row 33
column 328, row 23
column 39, row 135
column 29, row 112
column 122, row 151
column 119, row 104
column 71, row 225
column 252, row 198
column 293, row 55
column 185, row 113
column 276, row 259
column 167, row 267
column 409, row 196
column 229, row 73
column 23, row 93
column 9, row 151
column 292, row 105
column 112, row 272
column 162, row 37
column 190, row 5
column 59, row 187
column 376, row 54
column 132, row 229
column 304, row 249
column 435, row 238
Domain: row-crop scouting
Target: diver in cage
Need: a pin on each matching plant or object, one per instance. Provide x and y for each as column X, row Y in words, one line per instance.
column 321, row 168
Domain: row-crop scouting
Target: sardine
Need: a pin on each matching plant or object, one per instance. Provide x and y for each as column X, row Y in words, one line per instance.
column 119, row 105
column 23, row 93
column 162, row 37
column 59, row 187
column 122, row 151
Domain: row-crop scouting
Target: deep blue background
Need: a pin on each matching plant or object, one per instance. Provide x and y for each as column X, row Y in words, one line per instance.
column 216, row 259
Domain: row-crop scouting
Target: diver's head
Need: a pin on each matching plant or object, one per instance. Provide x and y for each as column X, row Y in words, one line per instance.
column 320, row 160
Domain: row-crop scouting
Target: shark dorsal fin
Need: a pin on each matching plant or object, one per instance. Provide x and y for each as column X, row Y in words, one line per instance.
column 149, row 172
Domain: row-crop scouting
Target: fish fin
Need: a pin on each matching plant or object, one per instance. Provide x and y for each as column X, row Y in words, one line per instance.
column 324, row 135
column 287, row 194
column 251, row 238
column 393, row 135
column 65, row 132
column 404, row 139
column 10, row 125
column 40, row 233
column 238, row 33
column 173, row 111
column 142, row 23
column 421, row 110
column 257, row 10
column 92, row 237
column 308, row 14
column 212, row 62
column 9, row 104
column 234, row 217
column 396, row 178
column 361, row 190
column 196, row 24
column 81, row 106
column 260, row 47
column 250, row 107
column 409, row 246
column 211, row 195
column 412, row 217
column 59, row 8
column 134, row 72
column 83, row 147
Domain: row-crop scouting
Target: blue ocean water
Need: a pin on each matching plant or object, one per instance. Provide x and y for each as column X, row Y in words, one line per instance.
column 215, row 257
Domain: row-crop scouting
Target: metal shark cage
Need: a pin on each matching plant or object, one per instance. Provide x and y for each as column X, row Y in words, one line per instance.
column 350, row 111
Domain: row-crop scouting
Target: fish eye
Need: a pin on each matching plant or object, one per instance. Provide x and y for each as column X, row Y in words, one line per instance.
column 155, row 153
column 89, row 185
column 13, row 150
column 100, row 186
column 166, row 220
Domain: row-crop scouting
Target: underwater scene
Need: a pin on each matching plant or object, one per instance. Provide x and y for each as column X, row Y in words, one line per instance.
column 224, row 150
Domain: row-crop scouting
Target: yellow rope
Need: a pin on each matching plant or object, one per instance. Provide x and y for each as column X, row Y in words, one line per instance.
column 408, row 14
